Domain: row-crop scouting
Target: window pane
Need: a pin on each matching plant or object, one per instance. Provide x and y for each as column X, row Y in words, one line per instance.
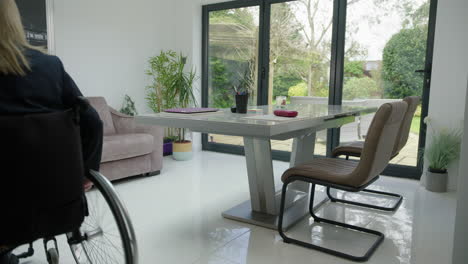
column 385, row 45
column 233, row 59
column 300, row 42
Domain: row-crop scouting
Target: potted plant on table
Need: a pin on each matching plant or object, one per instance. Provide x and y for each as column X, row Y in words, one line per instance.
column 243, row 90
column 443, row 149
column 172, row 87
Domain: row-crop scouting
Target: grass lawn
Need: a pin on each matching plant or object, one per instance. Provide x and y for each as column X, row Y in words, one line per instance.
column 415, row 124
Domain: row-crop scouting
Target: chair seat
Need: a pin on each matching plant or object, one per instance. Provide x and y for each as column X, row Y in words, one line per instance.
column 349, row 149
column 123, row 146
column 335, row 171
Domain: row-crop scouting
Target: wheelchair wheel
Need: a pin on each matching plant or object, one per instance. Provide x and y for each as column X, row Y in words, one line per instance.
column 53, row 256
column 106, row 235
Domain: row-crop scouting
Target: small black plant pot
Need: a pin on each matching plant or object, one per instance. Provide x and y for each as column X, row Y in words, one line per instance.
column 241, row 103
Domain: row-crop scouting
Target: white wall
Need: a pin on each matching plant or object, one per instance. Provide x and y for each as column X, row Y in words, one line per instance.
column 460, row 254
column 450, row 65
column 449, row 103
column 105, row 44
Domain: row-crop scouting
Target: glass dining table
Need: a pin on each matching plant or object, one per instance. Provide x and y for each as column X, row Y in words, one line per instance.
column 258, row 127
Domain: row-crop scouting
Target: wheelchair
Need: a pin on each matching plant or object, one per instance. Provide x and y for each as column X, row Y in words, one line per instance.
column 41, row 187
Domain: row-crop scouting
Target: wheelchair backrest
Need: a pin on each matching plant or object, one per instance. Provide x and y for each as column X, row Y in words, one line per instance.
column 41, row 176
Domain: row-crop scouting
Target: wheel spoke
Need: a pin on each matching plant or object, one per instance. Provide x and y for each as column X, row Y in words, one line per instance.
column 104, row 243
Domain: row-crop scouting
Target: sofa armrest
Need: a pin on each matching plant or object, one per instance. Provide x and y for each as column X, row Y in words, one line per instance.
column 125, row 124
column 158, row 136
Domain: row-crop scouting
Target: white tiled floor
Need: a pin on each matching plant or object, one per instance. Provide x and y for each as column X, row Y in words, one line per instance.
column 177, row 216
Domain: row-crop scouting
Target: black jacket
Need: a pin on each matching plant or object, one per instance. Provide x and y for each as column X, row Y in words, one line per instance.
column 49, row 88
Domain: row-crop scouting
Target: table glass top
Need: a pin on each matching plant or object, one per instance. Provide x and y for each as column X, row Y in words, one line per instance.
column 263, row 115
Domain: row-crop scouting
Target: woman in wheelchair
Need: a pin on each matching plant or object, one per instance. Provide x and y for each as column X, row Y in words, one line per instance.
column 52, row 141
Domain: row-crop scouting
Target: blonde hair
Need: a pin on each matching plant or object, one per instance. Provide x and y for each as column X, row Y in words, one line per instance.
column 13, row 41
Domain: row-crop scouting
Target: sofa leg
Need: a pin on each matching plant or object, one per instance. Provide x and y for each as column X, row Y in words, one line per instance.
column 151, row 174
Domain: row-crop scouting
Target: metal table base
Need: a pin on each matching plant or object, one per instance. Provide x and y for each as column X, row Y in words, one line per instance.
column 300, row 209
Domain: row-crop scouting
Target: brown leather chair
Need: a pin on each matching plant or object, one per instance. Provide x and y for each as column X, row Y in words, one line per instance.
column 349, row 175
column 354, row 149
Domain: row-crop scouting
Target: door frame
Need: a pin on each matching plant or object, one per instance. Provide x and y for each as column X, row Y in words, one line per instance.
column 263, row 65
column 336, row 75
column 411, row 172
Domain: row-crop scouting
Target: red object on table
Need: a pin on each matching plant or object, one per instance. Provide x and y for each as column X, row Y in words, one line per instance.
column 285, row 113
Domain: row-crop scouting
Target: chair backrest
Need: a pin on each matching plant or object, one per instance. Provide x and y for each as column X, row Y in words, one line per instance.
column 379, row 144
column 100, row 104
column 403, row 133
column 41, row 176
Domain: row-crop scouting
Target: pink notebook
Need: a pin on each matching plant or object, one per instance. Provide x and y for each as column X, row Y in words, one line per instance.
column 191, row 110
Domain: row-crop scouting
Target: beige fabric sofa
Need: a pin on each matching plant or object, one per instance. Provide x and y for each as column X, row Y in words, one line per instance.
column 129, row 149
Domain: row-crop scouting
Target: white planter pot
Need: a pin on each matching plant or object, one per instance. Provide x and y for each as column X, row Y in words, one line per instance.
column 436, row 182
column 182, row 150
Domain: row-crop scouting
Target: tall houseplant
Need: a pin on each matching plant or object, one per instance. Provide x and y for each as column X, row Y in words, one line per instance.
column 184, row 95
column 159, row 93
column 172, row 87
column 443, row 149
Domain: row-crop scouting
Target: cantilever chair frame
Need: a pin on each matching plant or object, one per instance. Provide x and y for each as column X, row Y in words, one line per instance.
column 348, row 176
column 380, row 236
column 376, row 207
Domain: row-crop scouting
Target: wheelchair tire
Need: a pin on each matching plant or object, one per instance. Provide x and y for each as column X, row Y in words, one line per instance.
column 53, row 256
column 94, row 243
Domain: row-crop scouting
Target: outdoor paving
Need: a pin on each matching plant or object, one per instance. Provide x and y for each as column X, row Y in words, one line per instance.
column 408, row 155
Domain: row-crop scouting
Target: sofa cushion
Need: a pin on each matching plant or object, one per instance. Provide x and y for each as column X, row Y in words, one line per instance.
column 123, row 146
column 100, row 104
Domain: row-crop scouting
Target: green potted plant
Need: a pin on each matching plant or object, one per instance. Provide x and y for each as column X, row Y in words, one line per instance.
column 443, row 149
column 159, row 94
column 128, row 106
column 183, row 83
column 172, row 87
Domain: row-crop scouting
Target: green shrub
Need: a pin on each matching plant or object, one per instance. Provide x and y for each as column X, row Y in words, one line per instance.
column 404, row 53
column 354, row 69
column 282, row 83
column 299, row 89
column 322, row 92
column 363, row 88
column 221, row 95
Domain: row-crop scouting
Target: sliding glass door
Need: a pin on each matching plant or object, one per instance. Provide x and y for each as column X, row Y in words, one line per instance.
column 299, row 57
column 285, row 52
column 233, row 50
column 384, row 61
column 350, row 52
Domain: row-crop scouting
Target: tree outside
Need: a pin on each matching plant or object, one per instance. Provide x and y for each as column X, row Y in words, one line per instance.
column 300, row 43
column 385, row 43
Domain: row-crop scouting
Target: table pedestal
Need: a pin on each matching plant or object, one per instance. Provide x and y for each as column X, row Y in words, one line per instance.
column 263, row 207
